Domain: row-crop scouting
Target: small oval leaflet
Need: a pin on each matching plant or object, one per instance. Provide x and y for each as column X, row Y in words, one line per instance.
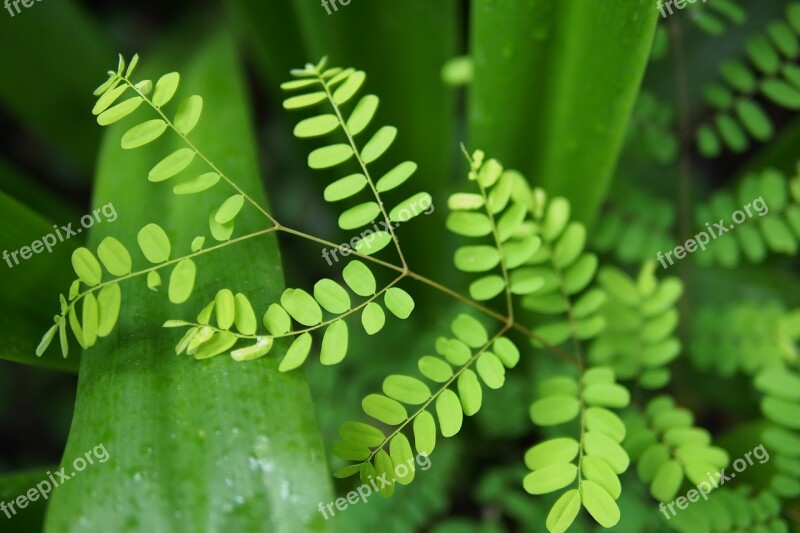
column 373, row 243
column 153, row 280
column 277, row 320
column 301, row 306
column 379, row 143
column 86, row 266
column 359, row 278
column 373, row 318
column 329, row 156
column 469, row 330
column 188, row 114
column 476, row 258
column 349, row 88
column 171, row 165
column 303, row 100
column 197, row 184
column 359, row 216
column 244, row 316
column 345, row 187
column 396, row 177
column 220, row 232
column 399, row 302
column 46, row 340
column 424, row 433
column 119, row 111
column 384, row 409
column 411, row 207
column 225, row 308
column 362, row 114
column 165, row 88
column 331, row 296
column 334, row 343
column 435, row 369
column 115, row 256
column 255, row 351
column 448, row 410
column 181, row 281
column 108, row 303
column 229, row 209
column 154, row 243
column 406, row 389
column 90, row 320
column 143, row 133
column 297, row 353
column 487, row 287
column 400, row 452
column 108, row 98
column 469, row 389
column 316, row 126
column 491, row 370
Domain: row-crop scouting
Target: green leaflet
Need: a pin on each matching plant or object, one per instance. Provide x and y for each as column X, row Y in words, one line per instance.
column 89, row 320
column 197, row 244
column 362, row 114
column 109, row 97
column 345, row 187
column 153, row 280
column 334, row 343
column 491, row 370
column 476, row 258
column 172, row 165
column 470, row 392
column 188, row 114
column 46, row 340
column 435, row 369
column 297, row 353
column 487, row 287
column 303, row 100
column 564, row 511
column 359, row 278
column 225, row 308
column 277, row 320
column 165, row 88
column 424, row 433
column 254, row 351
column 229, row 209
column 384, row 409
column 378, row 144
column 86, row 266
column 197, row 184
column 316, row 126
column 154, row 243
column 181, row 281
column 359, row 216
column 349, row 88
column 301, row 307
column 220, row 232
column 331, row 296
column 144, row 133
column 550, row 478
column 396, row 177
column 329, row 156
column 119, row 111
column 244, row 316
column 109, row 300
column 373, row 243
column 469, row 224
column 406, row 389
column 411, row 207
column 599, row 503
column 401, row 454
column 373, row 318
column 449, row 412
column 114, row 256
column 399, row 302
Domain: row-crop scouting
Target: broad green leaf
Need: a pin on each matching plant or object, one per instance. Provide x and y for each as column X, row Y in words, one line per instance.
column 119, row 111
column 469, row 224
column 277, row 320
column 197, row 184
column 470, row 330
column 46, row 340
column 171, row 165
column 108, row 304
column 384, row 409
column 491, row 370
column 435, row 369
column 225, row 308
column 297, row 353
column 154, row 243
column 550, row 478
column 478, row 258
column 165, row 88
column 334, row 343
column 487, row 287
column 359, row 216
column 564, row 511
column 552, row 452
column 301, row 306
column 244, row 316
column 373, row 318
column 90, row 319
column 345, row 187
column 554, row 410
column 470, row 392
column 449, row 412
column 399, row 302
column 349, row 88
column 396, row 177
column 362, row 114
column 329, row 156
column 424, row 433
column 229, row 209
column 181, row 281
column 144, row 133
column 188, row 114
column 331, row 296
column 86, row 266
column 304, row 100
column 599, row 503
column 401, row 454
column 316, row 126
column 378, row 144
column 406, row 389
column 115, row 257
column 411, row 207
column 255, row 351
column 359, row 278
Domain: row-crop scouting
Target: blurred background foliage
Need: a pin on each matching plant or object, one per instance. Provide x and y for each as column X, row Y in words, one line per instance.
column 547, row 87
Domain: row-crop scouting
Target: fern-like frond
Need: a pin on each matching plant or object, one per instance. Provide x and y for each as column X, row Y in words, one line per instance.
column 730, row 510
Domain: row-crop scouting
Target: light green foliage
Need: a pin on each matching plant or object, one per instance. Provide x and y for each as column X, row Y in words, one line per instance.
column 668, row 448
column 642, row 317
column 771, row 67
column 592, row 460
column 731, row 509
column 781, row 406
